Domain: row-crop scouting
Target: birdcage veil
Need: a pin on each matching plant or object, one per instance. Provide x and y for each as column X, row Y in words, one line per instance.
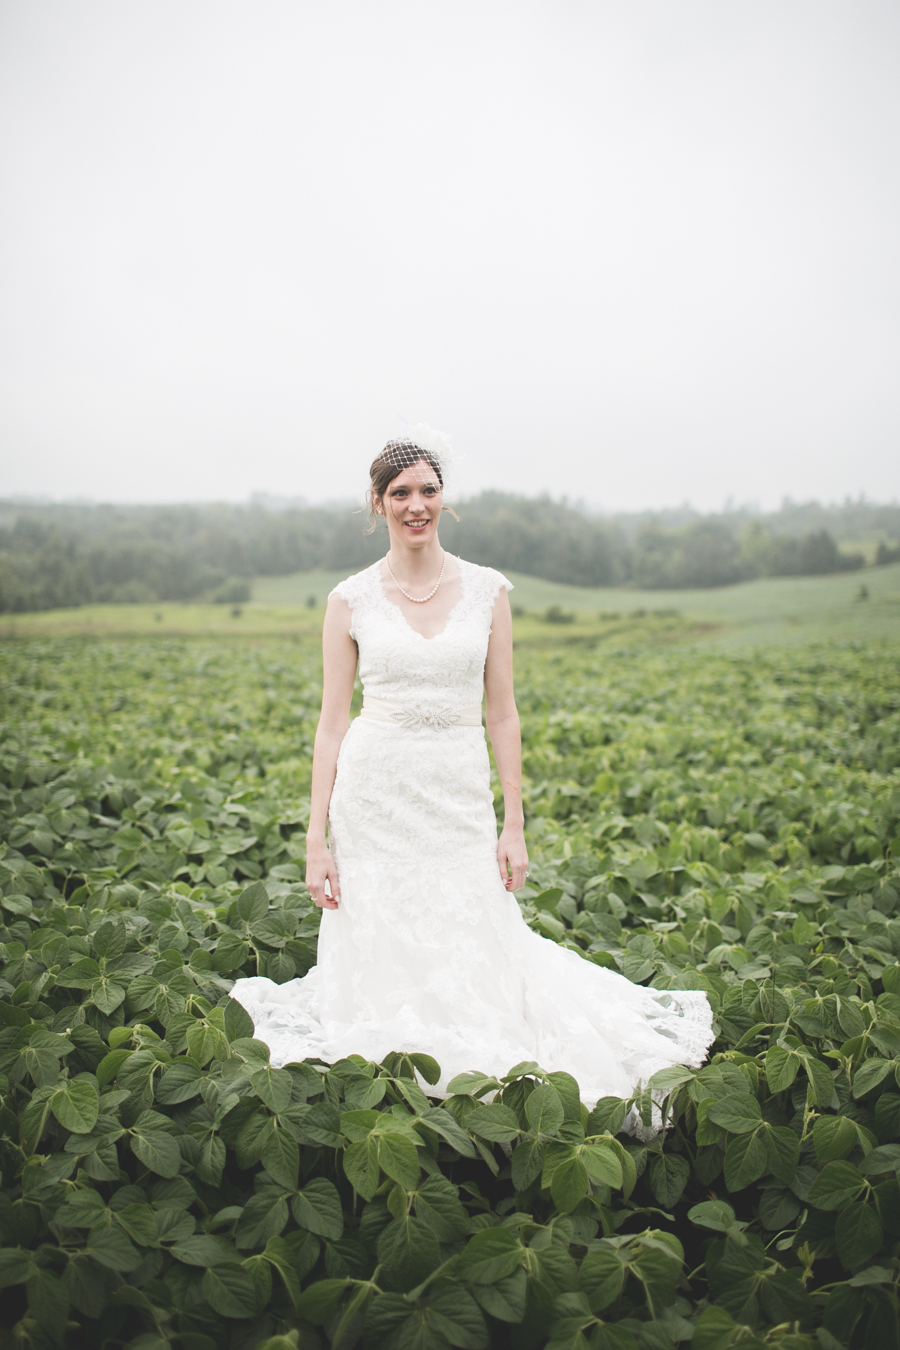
column 419, row 447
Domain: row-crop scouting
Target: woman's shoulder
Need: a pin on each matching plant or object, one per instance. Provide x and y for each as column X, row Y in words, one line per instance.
column 486, row 582
column 357, row 587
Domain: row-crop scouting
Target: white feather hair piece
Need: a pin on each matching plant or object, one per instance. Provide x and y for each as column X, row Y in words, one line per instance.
column 427, row 438
column 417, row 436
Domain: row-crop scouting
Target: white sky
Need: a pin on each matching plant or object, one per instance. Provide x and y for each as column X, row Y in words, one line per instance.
column 638, row 252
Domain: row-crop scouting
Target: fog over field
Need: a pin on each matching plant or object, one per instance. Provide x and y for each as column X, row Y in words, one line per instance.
column 637, row 254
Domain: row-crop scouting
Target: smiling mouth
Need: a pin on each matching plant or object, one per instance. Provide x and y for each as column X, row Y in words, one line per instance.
column 417, row 526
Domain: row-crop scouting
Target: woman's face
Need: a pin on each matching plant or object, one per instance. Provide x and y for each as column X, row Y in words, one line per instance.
column 412, row 505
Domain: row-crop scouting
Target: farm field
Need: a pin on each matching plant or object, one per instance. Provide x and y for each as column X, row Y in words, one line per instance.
column 700, row 816
column 775, row 609
column 783, row 610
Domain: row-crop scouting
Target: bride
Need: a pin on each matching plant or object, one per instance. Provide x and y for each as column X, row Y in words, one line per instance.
column 422, row 945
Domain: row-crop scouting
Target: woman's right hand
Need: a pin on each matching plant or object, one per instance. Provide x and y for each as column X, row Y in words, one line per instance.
column 320, row 868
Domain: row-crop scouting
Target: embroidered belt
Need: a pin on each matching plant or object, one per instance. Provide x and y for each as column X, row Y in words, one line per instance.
column 413, row 717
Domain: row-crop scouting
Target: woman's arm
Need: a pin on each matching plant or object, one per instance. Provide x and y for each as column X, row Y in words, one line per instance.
column 502, row 718
column 339, row 656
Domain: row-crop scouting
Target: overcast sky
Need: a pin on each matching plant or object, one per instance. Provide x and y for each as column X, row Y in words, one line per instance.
column 638, row 252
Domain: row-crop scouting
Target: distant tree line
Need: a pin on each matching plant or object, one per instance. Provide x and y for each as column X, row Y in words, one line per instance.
column 59, row 555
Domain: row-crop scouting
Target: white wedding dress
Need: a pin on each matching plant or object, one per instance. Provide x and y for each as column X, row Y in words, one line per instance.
column 428, row 951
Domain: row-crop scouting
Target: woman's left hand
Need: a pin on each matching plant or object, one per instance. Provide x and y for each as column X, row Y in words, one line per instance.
column 512, row 856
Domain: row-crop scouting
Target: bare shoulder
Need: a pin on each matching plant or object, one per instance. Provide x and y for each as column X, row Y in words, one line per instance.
column 338, row 614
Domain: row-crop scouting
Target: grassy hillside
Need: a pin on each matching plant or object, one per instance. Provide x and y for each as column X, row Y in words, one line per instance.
column 774, row 609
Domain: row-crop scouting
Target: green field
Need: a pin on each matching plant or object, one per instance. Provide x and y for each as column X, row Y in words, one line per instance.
column 702, row 813
column 773, row 610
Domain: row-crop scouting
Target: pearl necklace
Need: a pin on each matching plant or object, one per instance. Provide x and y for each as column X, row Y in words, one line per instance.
column 417, row 599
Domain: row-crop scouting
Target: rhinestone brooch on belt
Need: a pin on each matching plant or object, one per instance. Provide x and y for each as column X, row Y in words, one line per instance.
column 412, row 719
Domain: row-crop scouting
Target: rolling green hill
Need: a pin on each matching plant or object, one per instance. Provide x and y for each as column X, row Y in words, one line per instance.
column 768, row 610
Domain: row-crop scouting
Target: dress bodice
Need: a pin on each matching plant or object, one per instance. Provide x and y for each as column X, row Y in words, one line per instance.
column 397, row 663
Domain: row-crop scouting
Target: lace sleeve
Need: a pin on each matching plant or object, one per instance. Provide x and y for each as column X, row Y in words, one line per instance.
column 492, row 582
column 352, row 590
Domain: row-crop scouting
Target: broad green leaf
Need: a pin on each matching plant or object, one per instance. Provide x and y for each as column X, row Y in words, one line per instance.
column 782, row 1152
column 496, row 1123
column 281, row 1158
column 77, row 1105
column 821, row 1081
column 427, row 1067
column 113, row 1250
column 737, row 1113
column 230, row 1290
column 42, row 1065
column 569, row 1184
column 409, row 1251
column 253, row 904
column 438, row 1205
column 158, row 1151
column 80, row 975
column 668, row 1175
column 320, row 1301
column 880, row 1160
column 361, row 1167
column 602, row 1277
column 473, row 1084
column 544, row 1109
column 264, row 1216
column 318, row 1124
column 858, row 1234
column 658, row 1264
column 451, row 1315
column 204, row 1249
column 666, row 1080
column 836, row 1185
column 180, row 1082
column 870, row 1074
column 238, row 1022
column 777, row 1209
column 505, row 1299
column 107, row 994
column 139, row 1222
column 110, row 1065
column 273, row 1087
column 280, row 968
column 444, row 1124
column 607, row 1116
column 527, row 1162
column 603, row 1163
column 833, row 1137
column 211, row 1162
column 782, row 1067
column 205, row 1042
column 48, row 1302
column 745, row 1161
column 490, row 1255
column 318, row 1208
column 253, row 1052
column 365, row 1093
column 109, row 940
column 15, row 1266
column 398, row 1158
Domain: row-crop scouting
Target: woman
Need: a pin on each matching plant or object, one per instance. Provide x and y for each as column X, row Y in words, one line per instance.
column 422, row 945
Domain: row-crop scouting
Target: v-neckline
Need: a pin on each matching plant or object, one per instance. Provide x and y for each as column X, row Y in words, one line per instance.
column 450, row 616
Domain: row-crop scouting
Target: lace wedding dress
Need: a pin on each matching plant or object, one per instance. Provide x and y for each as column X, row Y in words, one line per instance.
column 428, row 951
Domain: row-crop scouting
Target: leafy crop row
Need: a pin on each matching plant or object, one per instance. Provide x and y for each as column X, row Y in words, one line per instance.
column 697, row 821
